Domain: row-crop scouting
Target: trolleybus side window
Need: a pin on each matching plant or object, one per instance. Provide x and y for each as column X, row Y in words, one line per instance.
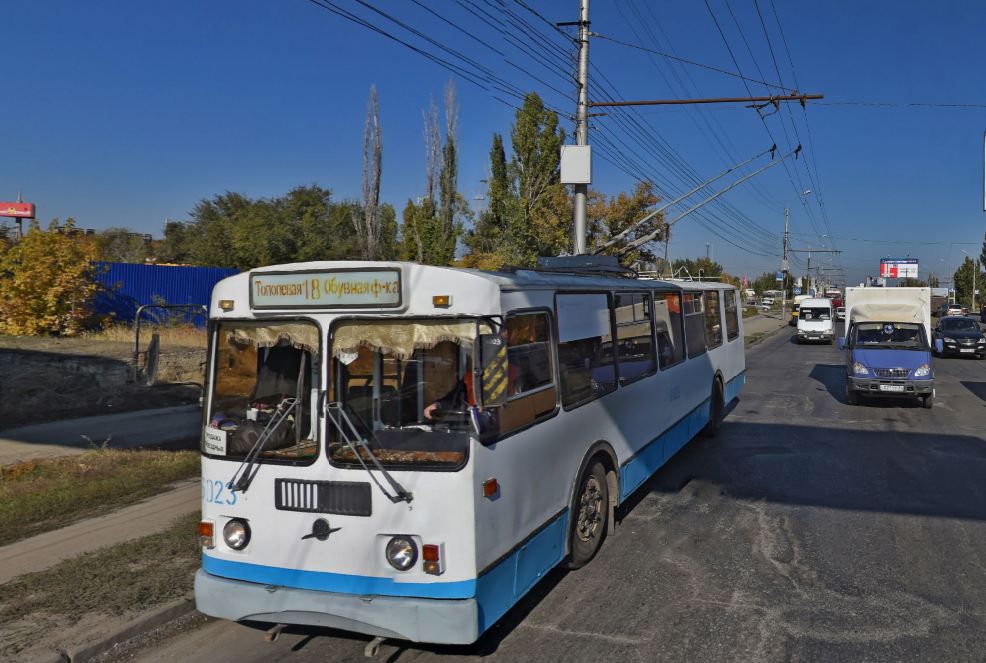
column 670, row 336
column 530, row 379
column 634, row 337
column 691, row 306
column 586, row 362
column 732, row 315
column 264, row 378
column 713, row 319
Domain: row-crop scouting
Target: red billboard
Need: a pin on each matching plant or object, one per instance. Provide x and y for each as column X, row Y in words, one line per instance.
column 17, row 210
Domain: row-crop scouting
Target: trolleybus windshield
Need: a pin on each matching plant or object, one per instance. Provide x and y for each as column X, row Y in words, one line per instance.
column 264, row 382
column 407, row 387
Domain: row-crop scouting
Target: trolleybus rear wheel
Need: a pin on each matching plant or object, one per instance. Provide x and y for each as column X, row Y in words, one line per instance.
column 590, row 515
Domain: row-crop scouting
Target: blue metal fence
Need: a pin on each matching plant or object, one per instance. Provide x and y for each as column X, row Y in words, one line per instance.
column 126, row 286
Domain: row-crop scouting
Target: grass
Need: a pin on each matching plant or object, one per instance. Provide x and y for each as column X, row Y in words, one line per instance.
column 42, row 495
column 171, row 335
column 128, row 577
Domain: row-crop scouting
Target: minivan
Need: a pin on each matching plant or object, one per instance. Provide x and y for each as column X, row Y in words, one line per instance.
column 815, row 320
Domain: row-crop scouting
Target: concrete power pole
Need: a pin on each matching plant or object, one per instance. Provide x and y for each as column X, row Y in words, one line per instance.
column 784, row 268
column 582, row 126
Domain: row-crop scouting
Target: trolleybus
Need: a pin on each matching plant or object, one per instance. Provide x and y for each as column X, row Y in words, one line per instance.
column 404, row 451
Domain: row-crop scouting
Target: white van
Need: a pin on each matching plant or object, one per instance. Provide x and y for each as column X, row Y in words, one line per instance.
column 815, row 320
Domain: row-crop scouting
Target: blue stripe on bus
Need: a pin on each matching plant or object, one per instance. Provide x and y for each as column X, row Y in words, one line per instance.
column 658, row 451
column 496, row 591
column 336, row 582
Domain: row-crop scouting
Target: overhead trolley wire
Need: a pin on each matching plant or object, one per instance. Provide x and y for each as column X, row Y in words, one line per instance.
column 669, row 56
column 730, row 154
column 763, row 121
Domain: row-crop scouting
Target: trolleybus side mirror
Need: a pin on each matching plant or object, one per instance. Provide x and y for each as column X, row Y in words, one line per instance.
column 492, row 370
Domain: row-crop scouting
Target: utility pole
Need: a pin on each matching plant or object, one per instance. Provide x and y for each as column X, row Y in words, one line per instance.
column 582, row 126
column 784, row 268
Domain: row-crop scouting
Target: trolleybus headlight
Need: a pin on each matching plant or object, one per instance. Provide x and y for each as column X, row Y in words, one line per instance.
column 236, row 533
column 402, row 553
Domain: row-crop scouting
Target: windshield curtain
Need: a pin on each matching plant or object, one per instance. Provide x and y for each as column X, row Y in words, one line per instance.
column 893, row 335
column 264, row 373
column 406, row 385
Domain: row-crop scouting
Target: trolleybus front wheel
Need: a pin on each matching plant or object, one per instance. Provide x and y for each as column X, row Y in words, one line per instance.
column 590, row 515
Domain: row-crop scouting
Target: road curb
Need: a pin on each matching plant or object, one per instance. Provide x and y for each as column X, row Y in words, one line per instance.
column 142, row 624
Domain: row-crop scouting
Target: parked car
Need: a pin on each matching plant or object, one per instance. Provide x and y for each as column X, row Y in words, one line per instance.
column 961, row 336
column 840, row 313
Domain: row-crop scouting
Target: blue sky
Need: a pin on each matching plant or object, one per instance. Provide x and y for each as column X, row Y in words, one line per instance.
column 126, row 114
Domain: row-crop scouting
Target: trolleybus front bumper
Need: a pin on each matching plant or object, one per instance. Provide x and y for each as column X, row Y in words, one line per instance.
column 440, row 621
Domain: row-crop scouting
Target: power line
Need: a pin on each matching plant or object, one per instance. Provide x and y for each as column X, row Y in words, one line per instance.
column 687, row 61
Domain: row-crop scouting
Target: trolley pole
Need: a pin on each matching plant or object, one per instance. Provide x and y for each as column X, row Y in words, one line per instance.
column 582, row 127
column 784, row 268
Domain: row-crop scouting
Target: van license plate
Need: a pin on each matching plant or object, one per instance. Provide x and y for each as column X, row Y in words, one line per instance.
column 891, row 387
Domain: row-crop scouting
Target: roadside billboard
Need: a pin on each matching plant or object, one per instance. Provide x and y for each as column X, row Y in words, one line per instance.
column 17, row 210
column 899, row 268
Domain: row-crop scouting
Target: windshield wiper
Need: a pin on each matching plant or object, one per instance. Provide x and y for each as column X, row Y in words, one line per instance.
column 352, row 438
column 243, row 476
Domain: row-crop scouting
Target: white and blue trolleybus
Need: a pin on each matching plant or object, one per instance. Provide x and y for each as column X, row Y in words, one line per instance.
column 404, row 451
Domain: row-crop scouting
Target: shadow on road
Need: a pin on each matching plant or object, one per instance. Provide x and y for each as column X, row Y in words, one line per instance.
column 977, row 388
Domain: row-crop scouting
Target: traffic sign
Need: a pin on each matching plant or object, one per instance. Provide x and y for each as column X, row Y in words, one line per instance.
column 797, row 291
column 779, row 276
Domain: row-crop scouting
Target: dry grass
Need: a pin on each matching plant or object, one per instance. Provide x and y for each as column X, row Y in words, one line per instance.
column 171, row 335
column 114, row 581
column 42, row 495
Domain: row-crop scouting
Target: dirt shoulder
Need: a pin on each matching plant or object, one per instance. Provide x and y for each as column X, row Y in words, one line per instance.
column 48, row 379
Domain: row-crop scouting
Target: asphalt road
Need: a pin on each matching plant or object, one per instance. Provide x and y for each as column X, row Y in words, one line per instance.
column 810, row 530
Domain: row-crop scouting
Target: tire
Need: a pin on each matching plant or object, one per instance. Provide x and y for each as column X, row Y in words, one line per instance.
column 590, row 516
column 927, row 402
column 852, row 398
column 717, row 407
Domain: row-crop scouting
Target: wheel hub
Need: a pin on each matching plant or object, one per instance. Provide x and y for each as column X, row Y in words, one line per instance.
column 590, row 510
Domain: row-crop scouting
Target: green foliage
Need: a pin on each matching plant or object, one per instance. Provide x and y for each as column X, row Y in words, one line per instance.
column 232, row 230
column 963, row 280
column 699, row 266
column 47, row 281
column 609, row 217
column 122, row 245
column 529, row 211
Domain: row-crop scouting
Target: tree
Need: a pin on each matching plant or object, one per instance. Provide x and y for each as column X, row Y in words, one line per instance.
column 542, row 224
column 47, row 281
column 367, row 222
column 122, row 245
column 529, row 212
column 433, row 224
column 609, row 217
column 963, row 280
column 174, row 247
column 704, row 267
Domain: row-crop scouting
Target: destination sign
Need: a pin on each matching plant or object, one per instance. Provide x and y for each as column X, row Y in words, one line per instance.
column 369, row 288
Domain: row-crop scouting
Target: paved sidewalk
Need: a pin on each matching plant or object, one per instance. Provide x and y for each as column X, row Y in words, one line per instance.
column 152, row 515
column 762, row 324
column 143, row 428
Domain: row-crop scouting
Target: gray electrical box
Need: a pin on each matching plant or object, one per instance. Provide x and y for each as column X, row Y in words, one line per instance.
column 576, row 164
